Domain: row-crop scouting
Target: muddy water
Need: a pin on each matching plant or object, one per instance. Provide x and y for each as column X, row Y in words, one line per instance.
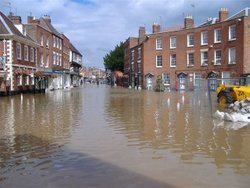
column 97, row 136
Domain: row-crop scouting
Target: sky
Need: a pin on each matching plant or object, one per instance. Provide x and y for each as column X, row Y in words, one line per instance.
column 95, row 27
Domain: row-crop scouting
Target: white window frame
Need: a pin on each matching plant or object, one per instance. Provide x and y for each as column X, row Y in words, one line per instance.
column 190, row 40
column 217, row 35
column 19, row 80
column 41, row 59
column 139, row 53
column 132, row 55
column 217, row 60
column 232, row 32
column 47, row 42
column 47, row 60
column 172, row 59
column 26, row 80
column 54, row 41
column 158, row 42
column 188, row 59
column 204, row 38
column 204, row 61
column 139, row 66
column 32, row 81
column 25, row 53
column 232, row 56
column 41, row 39
column 158, row 61
column 18, row 51
column 172, row 42
column 32, row 54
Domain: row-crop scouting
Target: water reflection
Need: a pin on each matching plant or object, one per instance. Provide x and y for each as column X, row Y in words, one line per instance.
column 182, row 123
column 87, row 136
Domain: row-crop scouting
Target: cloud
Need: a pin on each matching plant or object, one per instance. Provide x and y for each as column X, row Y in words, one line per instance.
column 96, row 26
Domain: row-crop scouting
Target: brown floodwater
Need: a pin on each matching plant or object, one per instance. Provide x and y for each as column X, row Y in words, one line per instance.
column 99, row 136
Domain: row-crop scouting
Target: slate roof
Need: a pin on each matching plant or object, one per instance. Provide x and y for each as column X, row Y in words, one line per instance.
column 73, row 48
column 8, row 27
column 48, row 26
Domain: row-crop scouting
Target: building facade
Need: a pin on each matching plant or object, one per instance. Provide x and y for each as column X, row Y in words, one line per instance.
column 75, row 58
column 218, row 48
column 35, row 56
column 18, row 58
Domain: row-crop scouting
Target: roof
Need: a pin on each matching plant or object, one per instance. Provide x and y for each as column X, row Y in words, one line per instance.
column 243, row 12
column 48, row 26
column 73, row 48
column 8, row 27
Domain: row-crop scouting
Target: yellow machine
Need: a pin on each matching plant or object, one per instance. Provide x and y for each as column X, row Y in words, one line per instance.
column 229, row 93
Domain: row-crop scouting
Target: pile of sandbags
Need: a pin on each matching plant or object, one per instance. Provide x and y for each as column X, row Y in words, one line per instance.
column 238, row 111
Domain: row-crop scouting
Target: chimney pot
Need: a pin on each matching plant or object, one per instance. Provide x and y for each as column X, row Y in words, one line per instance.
column 223, row 14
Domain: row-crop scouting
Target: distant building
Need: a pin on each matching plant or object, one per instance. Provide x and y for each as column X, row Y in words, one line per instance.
column 218, row 48
column 75, row 65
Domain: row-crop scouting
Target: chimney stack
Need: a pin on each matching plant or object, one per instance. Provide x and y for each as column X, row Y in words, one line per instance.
column 15, row 19
column 47, row 17
column 223, row 14
column 142, row 34
column 188, row 22
column 156, row 27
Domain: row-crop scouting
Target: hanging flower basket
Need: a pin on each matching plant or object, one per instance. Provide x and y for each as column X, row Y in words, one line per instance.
column 38, row 74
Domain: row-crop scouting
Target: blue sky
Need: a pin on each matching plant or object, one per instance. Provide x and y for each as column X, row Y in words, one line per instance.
column 96, row 26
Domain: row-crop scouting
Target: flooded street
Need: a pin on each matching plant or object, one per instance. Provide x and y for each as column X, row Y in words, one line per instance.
column 98, row 136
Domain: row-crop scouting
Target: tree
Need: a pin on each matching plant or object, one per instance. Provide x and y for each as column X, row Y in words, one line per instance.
column 114, row 60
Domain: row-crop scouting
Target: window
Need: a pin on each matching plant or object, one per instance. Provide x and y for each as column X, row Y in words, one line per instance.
column 132, row 66
column 19, row 80
column 172, row 60
column 158, row 43
column 25, row 51
column 32, row 54
column 54, row 41
column 18, row 51
column 172, row 42
column 47, row 42
column 57, row 42
column 159, row 61
column 204, row 58
column 60, row 59
column 41, row 39
column 190, row 40
column 54, row 58
column 47, row 60
column 204, row 38
column 217, row 35
column 60, row 44
column 41, row 59
column 217, row 57
column 26, row 80
column 139, row 66
column 190, row 59
column 139, row 53
column 232, row 32
column 132, row 55
column 166, row 78
column 232, row 56
column 32, row 80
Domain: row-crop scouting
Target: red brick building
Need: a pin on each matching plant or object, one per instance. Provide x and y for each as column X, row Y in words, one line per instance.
column 218, row 48
column 18, row 57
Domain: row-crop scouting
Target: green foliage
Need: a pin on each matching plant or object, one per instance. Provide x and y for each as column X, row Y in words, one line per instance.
column 114, row 60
